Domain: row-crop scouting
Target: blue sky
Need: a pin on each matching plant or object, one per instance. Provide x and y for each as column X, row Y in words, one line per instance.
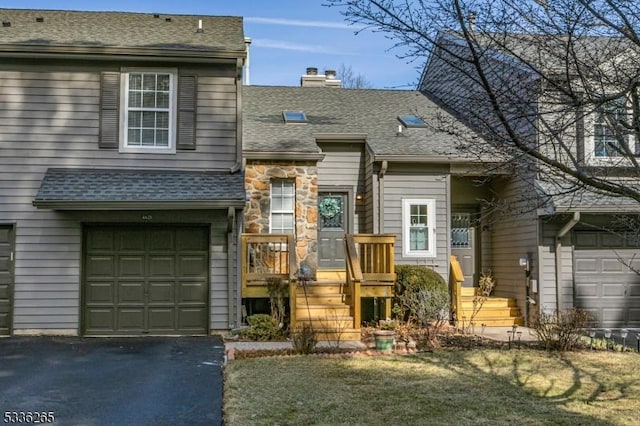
column 288, row 36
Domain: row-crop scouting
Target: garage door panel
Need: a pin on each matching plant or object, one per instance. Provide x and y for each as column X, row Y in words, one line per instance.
column 99, row 320
column 193, row 266
column 131, row 240
column 192, row 292
column 150, row 280
column 192, row 239
column 192, row 318
column 101, row 240
column 613, row 315
column 100, row 292
column 610, row 240
column 162, row 319
column 587, row 290
column 131, row 266
column 100, row 266
column 162, row 240
column 634, row 290
column 613, row 266
column 161, row 292
column 131, row 319
column 634, row 316
column 162, row 266
column 586, row 265
column 131, row 292
column 613, row 290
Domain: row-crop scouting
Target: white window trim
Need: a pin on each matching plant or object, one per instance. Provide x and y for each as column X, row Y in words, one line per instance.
column 590, row 145
column 272, row 210
column 124, row 111
column 431, row 225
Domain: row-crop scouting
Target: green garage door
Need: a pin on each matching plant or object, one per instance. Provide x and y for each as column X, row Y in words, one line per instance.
column 140, row 280
column 6, row 278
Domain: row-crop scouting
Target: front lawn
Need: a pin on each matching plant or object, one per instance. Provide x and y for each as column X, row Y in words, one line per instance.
column 445, row 387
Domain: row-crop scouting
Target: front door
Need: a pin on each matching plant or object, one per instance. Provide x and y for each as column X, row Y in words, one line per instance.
column 463, row 245
column 333, row 216
column 6, row 277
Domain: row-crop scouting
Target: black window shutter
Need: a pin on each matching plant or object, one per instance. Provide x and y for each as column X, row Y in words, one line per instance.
column 187, row 97
column 109, row 110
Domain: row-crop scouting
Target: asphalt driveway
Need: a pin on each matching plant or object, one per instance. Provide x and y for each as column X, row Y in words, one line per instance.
column 113, row 381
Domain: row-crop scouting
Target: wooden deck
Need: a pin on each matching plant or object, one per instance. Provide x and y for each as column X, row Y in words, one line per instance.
column 333, row 298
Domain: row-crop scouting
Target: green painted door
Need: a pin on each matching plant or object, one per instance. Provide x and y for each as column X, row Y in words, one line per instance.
column 6, row 278
column 146, row 280
column 333, row 216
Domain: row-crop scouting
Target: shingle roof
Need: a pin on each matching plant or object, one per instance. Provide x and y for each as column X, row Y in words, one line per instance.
column 86, row 186
column 345, row 111
column 73, row 29
column 564, row 198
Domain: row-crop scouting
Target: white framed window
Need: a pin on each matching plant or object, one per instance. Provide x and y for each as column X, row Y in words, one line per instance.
column 283, row 207
column 418, row 227
column 148, row 110
column 608, row 133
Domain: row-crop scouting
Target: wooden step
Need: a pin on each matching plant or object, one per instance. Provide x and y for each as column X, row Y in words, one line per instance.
column 491, row 302
column 320, row 299
column 336, row 322
column 343, row 334
column 493, row 322
column 491, row 313
column 331, row 274
column 321, row 311
column 321, row 288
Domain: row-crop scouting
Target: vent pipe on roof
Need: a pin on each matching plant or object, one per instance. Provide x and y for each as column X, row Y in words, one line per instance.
column 199, row 30
column 6, row 23
column 247, row 69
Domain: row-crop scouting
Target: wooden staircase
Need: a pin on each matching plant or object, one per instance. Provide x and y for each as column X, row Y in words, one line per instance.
column 495, row 312
column 324, row 304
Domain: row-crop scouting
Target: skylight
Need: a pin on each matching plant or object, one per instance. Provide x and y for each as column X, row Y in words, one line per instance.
column 411, row 121
column 294, row 117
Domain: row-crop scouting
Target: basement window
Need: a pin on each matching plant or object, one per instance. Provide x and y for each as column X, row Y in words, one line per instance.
column 411, row 121
column 294, row 116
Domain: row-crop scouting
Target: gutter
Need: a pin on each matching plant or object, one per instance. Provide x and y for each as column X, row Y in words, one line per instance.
column 563, row 231
column 272, row 155
column 138, row 205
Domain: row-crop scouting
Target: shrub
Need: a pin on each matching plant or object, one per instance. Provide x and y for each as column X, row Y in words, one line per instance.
column 304, row 339
column 278, row 291
column 561, row 330
column 262, row 327
column 421, row 295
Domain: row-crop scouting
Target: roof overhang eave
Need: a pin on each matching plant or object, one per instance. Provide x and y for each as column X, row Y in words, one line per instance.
column 138, row 205
column 285, row 155
column 120, row 53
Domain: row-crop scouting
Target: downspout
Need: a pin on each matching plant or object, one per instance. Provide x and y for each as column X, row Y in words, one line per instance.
column 231, row 280
column 564, row 231
column 383, row 170
column 237, row 166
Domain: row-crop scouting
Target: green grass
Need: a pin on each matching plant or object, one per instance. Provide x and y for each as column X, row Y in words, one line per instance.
column 490, row 387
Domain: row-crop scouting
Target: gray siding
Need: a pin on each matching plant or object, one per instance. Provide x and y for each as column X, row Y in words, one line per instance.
column 514, row 235
column 547, row 284
column 343, row 165
column 51, row 119
column 398, row 186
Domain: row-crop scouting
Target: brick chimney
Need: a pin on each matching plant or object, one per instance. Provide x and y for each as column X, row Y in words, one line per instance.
column 312, row 79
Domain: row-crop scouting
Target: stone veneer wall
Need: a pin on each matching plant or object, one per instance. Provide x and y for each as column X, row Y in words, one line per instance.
column 258, row 175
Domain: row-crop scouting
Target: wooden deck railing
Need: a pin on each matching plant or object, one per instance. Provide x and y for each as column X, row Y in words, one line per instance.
column 266, row 256
column 369, row 262
column 456, row 277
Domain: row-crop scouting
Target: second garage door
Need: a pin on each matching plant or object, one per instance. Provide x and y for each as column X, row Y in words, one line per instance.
column 603, row 284
column 146, row 280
